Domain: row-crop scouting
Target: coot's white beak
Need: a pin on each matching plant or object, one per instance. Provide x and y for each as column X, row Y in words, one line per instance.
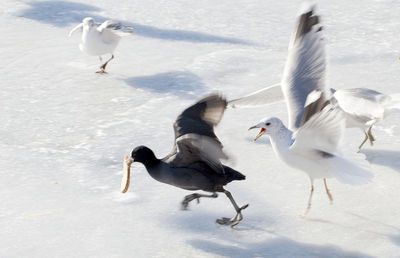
column 126, row 174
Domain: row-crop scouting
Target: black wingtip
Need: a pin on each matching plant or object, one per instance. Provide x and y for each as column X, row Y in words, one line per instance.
column 306, row 21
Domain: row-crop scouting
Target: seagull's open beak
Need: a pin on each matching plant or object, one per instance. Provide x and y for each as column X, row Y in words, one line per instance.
column 262, row 131
column 126, row 174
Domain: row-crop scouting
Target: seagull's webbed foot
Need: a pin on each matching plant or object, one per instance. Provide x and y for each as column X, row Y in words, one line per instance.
column 102, row 71
column 328, row 192
column 370, row 136
column 195, row 196
column 365, row 139
column 233, row 221
column 103, row 66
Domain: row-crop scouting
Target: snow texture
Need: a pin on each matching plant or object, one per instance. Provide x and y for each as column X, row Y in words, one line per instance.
column 65, row 130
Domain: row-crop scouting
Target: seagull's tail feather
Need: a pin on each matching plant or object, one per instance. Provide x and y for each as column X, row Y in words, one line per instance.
column 354, row 169
column 232, row 174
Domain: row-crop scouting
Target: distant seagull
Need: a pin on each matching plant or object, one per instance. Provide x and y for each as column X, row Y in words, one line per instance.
column 194, row 163
column 101, row 40
column 364, row 108
column 315, row 126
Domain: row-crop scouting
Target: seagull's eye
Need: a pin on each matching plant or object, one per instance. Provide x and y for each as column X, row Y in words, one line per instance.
column 268, row 124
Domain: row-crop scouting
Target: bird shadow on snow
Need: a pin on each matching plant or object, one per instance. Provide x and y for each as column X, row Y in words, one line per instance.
column 181, row 83
column 58, row 13
column 394, row 234
column 64, row 13
column 387, row 158
column 235, row 242
column 277, row 247
column 389, row 231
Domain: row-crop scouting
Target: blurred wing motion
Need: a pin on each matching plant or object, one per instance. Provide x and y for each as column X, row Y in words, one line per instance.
column 195, row 139
column 264, row 96
column 305, row 66
column 112, row 29
column 322, row 126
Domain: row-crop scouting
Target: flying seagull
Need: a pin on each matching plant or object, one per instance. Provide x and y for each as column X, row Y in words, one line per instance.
column 194, row 163
column 311, row 141
column 100, row 40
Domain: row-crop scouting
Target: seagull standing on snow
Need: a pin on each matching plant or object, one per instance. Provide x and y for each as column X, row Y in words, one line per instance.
column 194, row 163
column 101, row 40
column 311, row 143
column 363, row 108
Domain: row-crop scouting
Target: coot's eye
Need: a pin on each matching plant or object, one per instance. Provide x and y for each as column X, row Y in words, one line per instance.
column 268, row 124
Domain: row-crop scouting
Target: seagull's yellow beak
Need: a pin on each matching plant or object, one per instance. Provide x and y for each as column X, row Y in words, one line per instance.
column 262, row 131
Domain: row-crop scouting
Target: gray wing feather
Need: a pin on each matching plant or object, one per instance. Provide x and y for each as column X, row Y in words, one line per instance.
column 363, row 105
column 113, row 30
column 305, row 67
column 111, row 25
column 264, row 96
column 315, row 102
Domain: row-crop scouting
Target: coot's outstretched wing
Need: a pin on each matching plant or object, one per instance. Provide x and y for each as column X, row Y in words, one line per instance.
column 195, row 139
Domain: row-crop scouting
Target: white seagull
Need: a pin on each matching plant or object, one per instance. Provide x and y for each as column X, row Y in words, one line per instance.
column 100, row 40
column 316, row 126
column 363, row 108
column 305, row 72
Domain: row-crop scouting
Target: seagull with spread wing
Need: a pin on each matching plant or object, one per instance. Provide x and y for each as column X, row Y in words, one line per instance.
column 195, row 160
column 100, row 40
column 315, row 127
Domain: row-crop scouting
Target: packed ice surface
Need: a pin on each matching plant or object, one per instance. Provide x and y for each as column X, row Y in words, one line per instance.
column 64, row 131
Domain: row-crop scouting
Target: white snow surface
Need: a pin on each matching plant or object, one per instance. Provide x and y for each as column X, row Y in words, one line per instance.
column 64, row 130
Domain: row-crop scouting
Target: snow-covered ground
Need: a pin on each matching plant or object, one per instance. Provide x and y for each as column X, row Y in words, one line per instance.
column 64, row 130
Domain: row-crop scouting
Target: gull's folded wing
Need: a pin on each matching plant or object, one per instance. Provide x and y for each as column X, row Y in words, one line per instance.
column 111, row 29
column 362, row 103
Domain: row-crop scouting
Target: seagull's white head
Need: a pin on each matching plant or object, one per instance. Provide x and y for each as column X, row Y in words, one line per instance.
column 88, row 22
column 268, row 126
